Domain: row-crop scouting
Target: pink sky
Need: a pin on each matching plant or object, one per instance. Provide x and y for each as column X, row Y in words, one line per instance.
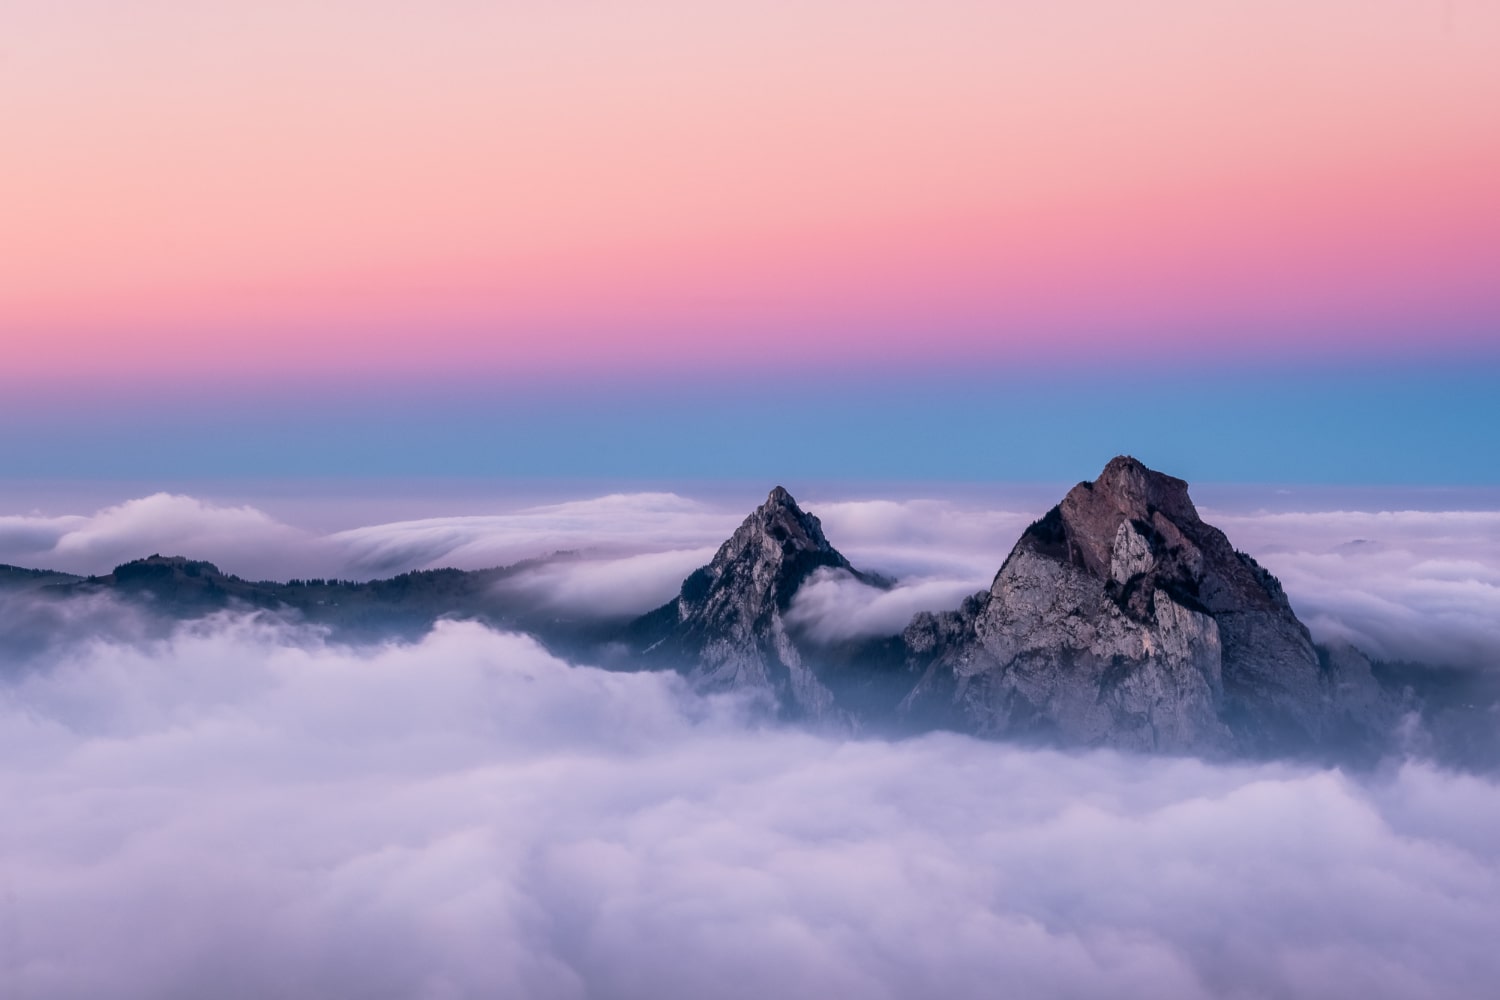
column 391, row 187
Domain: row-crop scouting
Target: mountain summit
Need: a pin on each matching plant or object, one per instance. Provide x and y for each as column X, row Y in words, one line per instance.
column 725, row 629
column 1121, row 618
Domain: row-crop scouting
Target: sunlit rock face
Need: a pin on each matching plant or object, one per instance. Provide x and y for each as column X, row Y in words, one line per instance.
column 1121, row 618
column 726, row 628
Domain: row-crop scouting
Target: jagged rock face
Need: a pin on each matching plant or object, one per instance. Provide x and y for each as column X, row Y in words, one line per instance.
column 726, row 629
column 1121, row 618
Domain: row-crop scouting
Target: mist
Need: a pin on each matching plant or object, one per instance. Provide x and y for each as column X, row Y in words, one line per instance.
column 1413, row 585
column 244, row 808
column 1422, row 586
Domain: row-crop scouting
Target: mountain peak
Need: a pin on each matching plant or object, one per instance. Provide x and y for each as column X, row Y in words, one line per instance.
column 726, row 630
column 1122, row 616
column 1084, row 528
column 1137, row 490
column 779, row 497
column 776, row 532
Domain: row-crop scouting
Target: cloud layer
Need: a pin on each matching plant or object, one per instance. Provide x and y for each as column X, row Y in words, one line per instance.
column 629, row 523
column 832, row 606
column 1416, row 585
column 1413, row 585
column 245, row 540
column 242, row 809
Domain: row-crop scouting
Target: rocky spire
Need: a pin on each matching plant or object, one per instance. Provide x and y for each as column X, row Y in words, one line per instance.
column 764, row 562
column 1121, row 618
column 1138, row 530
column 725, row 629
column 1087, row 520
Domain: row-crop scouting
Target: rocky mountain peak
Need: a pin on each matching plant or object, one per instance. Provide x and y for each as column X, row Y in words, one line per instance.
column 1121, row 617
column 1136, row 531
column 1117, row 515
column 1136, row 491
column 778, row 536
column 763, row 563
column 726, row 628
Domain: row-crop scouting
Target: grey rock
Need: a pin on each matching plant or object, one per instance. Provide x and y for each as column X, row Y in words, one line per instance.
column 726, row 630
column 1122, row 619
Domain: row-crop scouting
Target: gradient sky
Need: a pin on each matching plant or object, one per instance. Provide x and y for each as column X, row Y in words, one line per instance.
column 586, row 225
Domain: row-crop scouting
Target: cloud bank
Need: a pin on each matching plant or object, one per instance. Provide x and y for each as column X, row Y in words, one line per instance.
column 242, row 809
column 833, row 606
column 247, row 541
column 628, row 523
column 1414, row 585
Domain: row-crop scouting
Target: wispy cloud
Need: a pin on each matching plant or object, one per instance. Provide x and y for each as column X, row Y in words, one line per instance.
column 628, row 523
column 1421, row 585
column 1417, row 585
column 833, row 606
column 247, row 539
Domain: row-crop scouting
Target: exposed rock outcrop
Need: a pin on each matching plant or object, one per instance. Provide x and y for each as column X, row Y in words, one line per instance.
column 1121, row 618
column 726, row 628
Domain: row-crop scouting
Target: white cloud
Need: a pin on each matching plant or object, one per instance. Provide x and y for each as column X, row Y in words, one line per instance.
column 619, row 523
column 935, row 539
column 605, row 588
column 938, row 552
column 1417, row 585
column 1408, row 584
column 244, row 809
column 242, row 539
column 833, row 606
column 22, row 536
column 34, row 629
column 645, row 530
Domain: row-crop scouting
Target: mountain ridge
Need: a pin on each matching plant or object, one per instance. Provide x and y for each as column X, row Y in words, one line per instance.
column 1119, row 618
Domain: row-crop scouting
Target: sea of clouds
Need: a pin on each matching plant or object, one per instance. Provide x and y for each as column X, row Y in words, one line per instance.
column 1419, row 585
column 240, row 806
column 243, row 809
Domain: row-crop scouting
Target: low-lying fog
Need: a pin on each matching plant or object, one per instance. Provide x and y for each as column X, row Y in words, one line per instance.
column 1421, row 585
column 245, row 809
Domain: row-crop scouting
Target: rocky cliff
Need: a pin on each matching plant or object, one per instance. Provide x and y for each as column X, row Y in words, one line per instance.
column 726, row 628
column 1120, row 618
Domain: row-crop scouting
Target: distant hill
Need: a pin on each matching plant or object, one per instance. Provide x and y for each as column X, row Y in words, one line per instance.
column 16, row 578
